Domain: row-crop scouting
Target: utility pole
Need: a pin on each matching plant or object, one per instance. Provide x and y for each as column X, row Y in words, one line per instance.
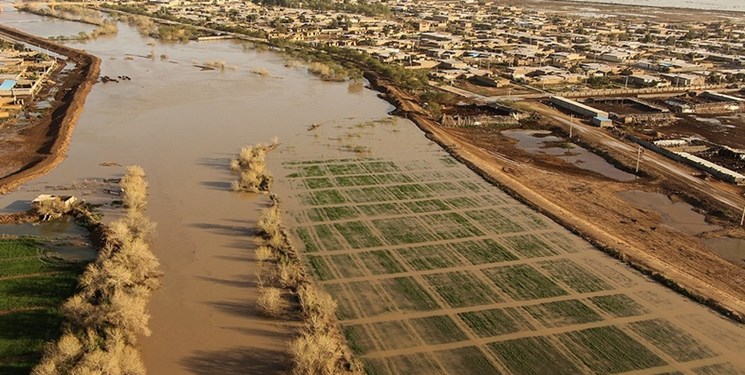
column 638, row 158
column 742, row 219
column 571, row 128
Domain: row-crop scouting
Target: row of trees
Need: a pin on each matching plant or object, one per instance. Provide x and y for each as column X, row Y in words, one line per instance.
column 250, row 167
column 105, row 318
column 319, row 348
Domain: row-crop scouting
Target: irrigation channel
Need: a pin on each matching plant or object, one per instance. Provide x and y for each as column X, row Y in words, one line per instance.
column 434, row 270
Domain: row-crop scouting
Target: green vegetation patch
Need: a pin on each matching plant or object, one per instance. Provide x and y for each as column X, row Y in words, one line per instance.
column 359, row 339
column 408, row 294
column 495, row 322
column 460, row 289
column 483, row 251
column 35, row 291
column 320, row 268
column 530, row 246
column 305, row 236
column 380, row 262
column 573, row 275
column 358, row 235
column 23, row 336
column 444, row 187
column 534, row 356
column 403, row 230
column 368, row 195
column 319, row 183
column 563, row 313
column 328, row 237
column 326, row 197
column 671, row 340
column 409, row 191
column 393, row 178
column 345, row 169
column 471, row 186
column 340, row 213
column 464, row 202
column 618, row 305
column 562, row 241
column 430, row 257
column 25, row 266
column 347, row 265
column 438, row 330
column 311, row 171
column 466, row 361
column 451, row 225
column 430, row 205
column 383, row 209
column 494, row 221
column 17, row 248
column 381, row 167
column 609, row 350
column 523, row 282
column 356, row 181
column 530, row 219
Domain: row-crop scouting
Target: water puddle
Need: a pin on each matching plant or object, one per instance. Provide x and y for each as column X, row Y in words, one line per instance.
column 66, row 240
column 732, row 249
column 678, row 215
column 542, row 142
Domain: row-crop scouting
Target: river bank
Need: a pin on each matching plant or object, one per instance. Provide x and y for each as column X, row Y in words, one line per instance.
column 45, row 143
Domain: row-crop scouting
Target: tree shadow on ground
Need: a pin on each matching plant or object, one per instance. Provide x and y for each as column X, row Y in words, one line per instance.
column 240, row 360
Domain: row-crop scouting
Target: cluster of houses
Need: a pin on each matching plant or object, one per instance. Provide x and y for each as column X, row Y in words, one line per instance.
column 22, row 74
column 494, row 44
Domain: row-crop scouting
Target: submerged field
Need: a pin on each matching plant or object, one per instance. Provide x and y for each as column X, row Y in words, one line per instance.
column 437, row 272
column 32, row 288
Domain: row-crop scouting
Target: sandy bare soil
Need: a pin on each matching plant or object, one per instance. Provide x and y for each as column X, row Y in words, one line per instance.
column 37, row 149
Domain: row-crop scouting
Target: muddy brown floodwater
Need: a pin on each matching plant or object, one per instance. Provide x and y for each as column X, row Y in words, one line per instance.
column 182, row 125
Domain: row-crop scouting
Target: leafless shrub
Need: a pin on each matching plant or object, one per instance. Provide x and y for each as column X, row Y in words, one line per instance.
column 134, row 187
column 315, row 353
column 318, row 307
column 288, row 273
column 250, row 166
column 270, row 301
column 260, row 72
column 263, row 253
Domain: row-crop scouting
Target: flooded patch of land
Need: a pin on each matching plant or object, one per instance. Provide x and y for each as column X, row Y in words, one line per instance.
column 679, row 215
column 543, row 143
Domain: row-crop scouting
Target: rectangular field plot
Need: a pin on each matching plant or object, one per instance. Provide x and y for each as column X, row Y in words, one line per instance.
column 356, row 181
column 347, row 265
column 483, row 251
column 573, row 275
column 41, row 290
column 383, row 209
column 493, row 221
column 311, row 171
column 460, row 289
column 430, row 205
column 404, row 230
column 357, row 234
column 529, row 218
column 393, row 178
column 466, row 361
column 369, row 195
column 450, row 226
column 306, row 237
column 408, row 294
column 496, row 322
column 523, row 282
column 359, row 338
column 320, row 268
column 319, row 183
column 534, row 356
column 328, row 238
column 409, row 191
column 529, row 246
column 618, row 305
column 608, row 350
column 430, row 257
column 395, row 334
column 437, row 330
column 562, row 313
column 464, row 202
column 327, row 197
column 680, row 345
column 359, row 299
column 445, row 188
column 414, row 364
column 719, row 369
column 380, row 167
column 380, row 262
column 18, row 248
column 345, row 169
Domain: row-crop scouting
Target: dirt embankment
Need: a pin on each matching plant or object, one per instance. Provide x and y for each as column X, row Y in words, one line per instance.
column 45, row 143
column 592, row 210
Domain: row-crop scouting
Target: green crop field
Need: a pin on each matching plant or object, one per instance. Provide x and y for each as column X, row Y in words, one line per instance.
column 32, row 287
column 437, row 272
